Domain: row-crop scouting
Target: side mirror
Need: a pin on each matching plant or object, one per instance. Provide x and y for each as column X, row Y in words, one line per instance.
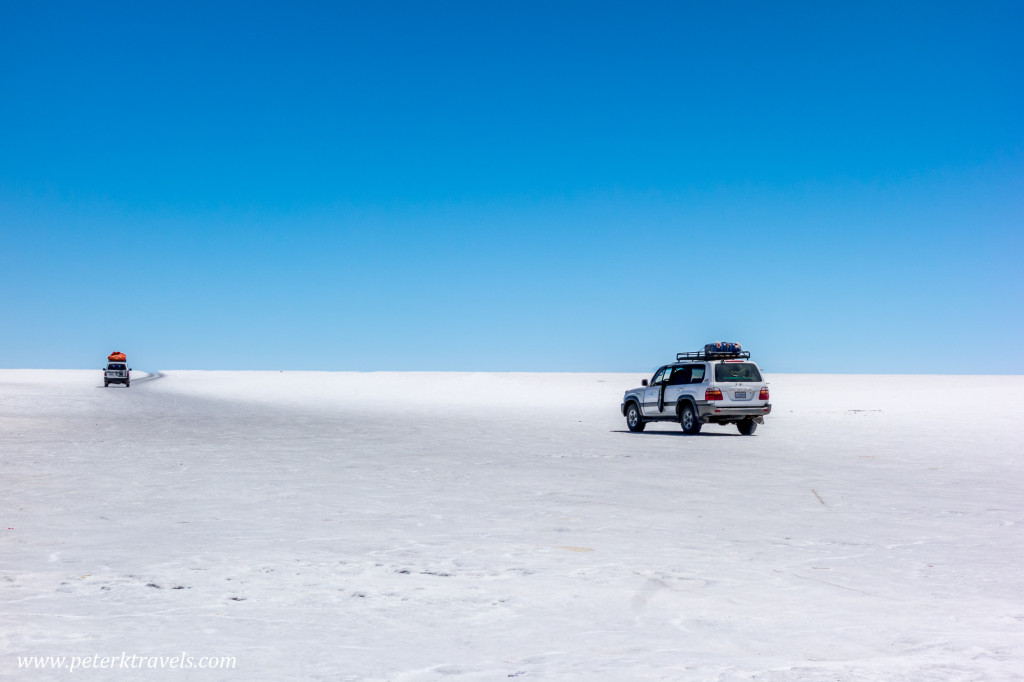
column 130, row 369
column 644, row 382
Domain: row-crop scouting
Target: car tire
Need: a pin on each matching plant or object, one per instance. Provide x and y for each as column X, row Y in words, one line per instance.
column 689, row 421
column 634, row 422
column 106, row 384
column 127, row 384
column 747, row 427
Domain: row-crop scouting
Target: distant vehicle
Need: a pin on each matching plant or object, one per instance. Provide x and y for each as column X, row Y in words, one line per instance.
column 716, row 385
column 117, row 370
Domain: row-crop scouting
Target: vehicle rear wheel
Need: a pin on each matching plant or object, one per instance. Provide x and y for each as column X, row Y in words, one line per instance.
column 747, row 427
column 127, row 384
column 106, row 384
column 689, row 421
column 634, row 422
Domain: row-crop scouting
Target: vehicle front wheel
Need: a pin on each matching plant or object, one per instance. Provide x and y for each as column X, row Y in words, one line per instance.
column 689, row 421
column 634, row 422
column 747, row 427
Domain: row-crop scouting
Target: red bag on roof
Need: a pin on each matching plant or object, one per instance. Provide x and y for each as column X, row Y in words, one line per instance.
column 116, row 356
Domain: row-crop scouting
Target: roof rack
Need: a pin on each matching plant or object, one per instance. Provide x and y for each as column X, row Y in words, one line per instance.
column 712, row 355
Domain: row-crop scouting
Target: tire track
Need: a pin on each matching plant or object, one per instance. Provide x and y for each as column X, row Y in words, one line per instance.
column 150, row 376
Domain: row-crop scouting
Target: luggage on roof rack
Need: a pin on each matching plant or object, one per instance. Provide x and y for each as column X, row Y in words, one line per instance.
column 716, row 351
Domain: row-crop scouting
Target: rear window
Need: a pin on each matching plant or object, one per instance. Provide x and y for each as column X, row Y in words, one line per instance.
column 737, row 371
column 116, row 366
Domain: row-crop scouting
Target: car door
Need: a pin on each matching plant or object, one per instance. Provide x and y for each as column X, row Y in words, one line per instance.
column 652, row 395
column 676, row 387
column 698, row 376
column 692, row 376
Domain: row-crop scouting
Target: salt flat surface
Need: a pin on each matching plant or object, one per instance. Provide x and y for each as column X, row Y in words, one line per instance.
column 445, row 526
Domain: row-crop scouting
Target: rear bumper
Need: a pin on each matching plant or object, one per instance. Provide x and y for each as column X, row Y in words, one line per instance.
column 716, row 412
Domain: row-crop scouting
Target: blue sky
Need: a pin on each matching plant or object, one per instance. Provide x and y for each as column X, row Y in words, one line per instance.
column 574, row 186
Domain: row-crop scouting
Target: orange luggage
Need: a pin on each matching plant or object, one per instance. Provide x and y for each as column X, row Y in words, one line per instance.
column 116, row 356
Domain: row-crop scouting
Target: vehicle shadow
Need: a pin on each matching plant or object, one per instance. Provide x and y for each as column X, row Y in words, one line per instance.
column 675, row 434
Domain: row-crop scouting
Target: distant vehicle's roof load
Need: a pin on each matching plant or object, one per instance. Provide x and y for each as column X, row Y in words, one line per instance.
column 716, row 351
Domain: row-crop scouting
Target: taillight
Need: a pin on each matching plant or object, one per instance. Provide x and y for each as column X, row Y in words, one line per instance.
column 713, row 394
column 763, row 395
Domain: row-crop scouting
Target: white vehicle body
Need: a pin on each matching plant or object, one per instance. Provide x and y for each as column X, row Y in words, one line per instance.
column 700, row 389
column 117, row 373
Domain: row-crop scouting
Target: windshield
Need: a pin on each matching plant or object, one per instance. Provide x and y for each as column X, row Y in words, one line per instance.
column 737, row 371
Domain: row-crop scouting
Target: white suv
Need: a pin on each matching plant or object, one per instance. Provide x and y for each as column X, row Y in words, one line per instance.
column 717, row 385
column 117, row 373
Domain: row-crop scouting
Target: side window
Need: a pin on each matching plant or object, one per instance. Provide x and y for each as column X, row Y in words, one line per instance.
column 696, row 374
column 680, row 375
column 660, row 376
